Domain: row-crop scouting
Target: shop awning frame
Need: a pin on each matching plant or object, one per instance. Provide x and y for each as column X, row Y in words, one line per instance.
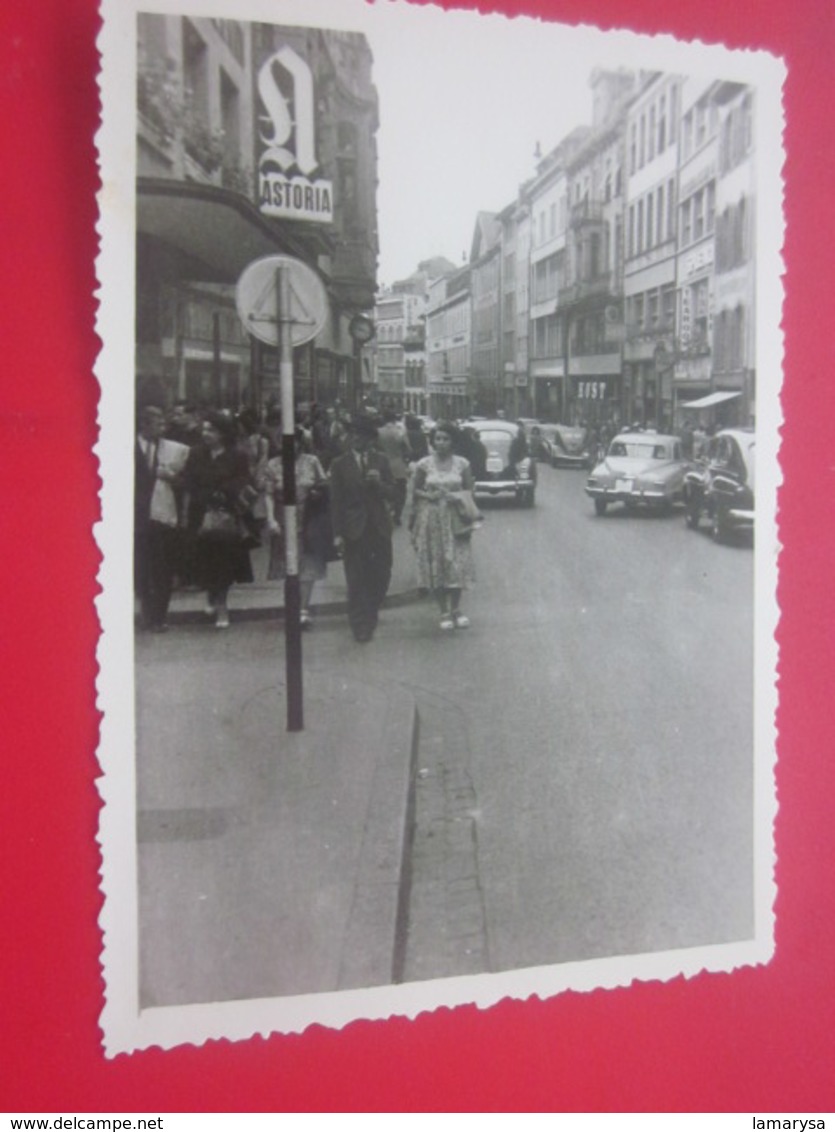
column 219, row 231
column 710, row 400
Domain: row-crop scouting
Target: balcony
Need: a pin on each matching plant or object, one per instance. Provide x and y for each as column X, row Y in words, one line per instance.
column 598, row 287
column 586, row 212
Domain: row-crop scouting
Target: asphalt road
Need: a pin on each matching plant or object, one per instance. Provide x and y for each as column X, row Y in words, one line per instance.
column 586, row 747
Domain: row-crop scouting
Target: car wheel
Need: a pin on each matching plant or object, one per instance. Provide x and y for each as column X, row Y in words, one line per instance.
column 530, row 498
column 692, row 518
column 600, row 506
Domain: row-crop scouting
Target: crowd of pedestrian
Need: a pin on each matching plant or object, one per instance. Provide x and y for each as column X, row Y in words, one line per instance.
column 209, row 489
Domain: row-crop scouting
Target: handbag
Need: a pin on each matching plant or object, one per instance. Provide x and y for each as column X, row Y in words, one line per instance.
column 464, row 514
column 219, row 524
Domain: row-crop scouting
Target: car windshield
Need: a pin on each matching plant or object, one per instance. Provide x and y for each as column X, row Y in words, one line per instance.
column 639, row 449
column 495, row 439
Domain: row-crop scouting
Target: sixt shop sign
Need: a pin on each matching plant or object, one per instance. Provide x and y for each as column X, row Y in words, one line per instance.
column 287, row 164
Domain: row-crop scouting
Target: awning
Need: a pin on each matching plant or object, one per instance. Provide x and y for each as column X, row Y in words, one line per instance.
column 711, row 399
column 220, row 232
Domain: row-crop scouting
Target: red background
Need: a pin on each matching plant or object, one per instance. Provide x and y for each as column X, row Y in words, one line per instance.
column 759, row 1040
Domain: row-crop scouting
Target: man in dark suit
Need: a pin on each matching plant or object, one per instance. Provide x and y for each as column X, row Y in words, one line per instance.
column 362, row 487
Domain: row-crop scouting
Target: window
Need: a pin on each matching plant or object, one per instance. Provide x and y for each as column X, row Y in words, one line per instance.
column 662, row 124
column 653, row 310
column 698, row 214
column 687, row 138
column 673, row 113
column 701, row 126
column 642, row 141
column 594, row 256
column 710, row 208
column 553, row 220
column 686, row 224
column 668, row 306
column 640, row 236
column 631, row 230
column 700, row 299
column 638, row 311
column 659, row 215
column 671, row 209
column 649, row 221
column 195, row 71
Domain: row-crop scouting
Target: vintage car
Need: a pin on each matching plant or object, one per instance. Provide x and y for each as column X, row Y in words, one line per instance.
column 500, row 474
column 570, row 447
column 723, row 487
column 639, row 469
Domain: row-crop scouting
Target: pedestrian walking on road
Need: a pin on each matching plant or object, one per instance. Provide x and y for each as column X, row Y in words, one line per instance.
column 216, row 479
column 418, row 443
column 394, row 444
column 443, row 486
column 362, row 489
column 313, row 526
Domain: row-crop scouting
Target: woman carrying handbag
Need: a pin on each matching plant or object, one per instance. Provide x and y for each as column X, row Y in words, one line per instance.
column 216, row 477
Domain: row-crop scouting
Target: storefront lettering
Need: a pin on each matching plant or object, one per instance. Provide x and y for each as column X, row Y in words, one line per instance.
column 298, row 197
column 592, row 390
column 289, row 139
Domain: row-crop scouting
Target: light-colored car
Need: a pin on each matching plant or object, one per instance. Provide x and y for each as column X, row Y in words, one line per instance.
column 723, row 487
column 501, row 474
column 639, row 469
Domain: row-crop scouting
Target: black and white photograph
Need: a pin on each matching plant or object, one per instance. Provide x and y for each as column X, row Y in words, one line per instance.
column 440, row 407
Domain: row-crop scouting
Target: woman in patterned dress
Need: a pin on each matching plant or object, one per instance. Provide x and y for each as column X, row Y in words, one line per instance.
column 311, row 499
column 444, row 559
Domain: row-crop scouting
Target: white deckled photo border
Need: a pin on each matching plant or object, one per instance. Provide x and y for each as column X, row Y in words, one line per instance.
column 127, row 1026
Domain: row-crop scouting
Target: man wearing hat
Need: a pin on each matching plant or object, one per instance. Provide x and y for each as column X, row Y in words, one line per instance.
column 362, row 487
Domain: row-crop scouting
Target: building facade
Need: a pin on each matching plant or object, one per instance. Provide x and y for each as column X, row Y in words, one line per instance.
column 448, row 345
column 734, row 369
column 487, row 386
column 650, row 259
column 227, row 174
column 591, row 299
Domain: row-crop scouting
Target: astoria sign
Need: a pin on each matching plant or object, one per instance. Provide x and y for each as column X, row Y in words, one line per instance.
column 287, row 186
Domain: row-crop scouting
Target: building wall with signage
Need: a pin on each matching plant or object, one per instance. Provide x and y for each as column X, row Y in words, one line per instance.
column 278, row 124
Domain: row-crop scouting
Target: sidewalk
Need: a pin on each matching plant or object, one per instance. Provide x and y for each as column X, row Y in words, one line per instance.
column 266, row 599
column 270, row 863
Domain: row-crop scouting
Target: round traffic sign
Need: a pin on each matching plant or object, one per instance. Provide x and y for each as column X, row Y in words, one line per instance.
column 256, row 297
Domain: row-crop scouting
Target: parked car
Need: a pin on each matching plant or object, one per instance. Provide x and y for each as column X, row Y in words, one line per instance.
column 571, row 448
column 501, row 475
column 723, row 487
column 639, row 469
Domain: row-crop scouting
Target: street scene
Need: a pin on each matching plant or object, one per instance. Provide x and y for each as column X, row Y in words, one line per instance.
column 444, row 560
column 570, row 778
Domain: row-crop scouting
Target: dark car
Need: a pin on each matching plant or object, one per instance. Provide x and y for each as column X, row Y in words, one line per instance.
column 570, row 447
column 506, row 470
column 723, row 487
